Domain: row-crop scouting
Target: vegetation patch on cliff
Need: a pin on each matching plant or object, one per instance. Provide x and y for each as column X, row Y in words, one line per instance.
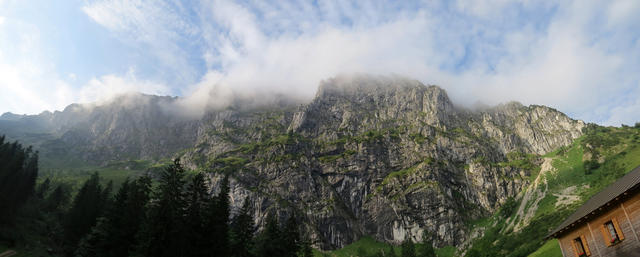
column 618, row 152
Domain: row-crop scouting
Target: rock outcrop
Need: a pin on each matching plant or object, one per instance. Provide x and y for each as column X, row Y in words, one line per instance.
column 381, row 156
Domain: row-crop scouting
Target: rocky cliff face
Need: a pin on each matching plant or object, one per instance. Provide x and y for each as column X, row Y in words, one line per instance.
column 132, row 126
column 381, row 156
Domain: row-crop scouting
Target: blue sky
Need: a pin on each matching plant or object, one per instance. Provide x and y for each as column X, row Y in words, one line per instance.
column 581, row 57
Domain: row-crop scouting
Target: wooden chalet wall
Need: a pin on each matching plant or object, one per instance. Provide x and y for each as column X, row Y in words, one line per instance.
column 627, row 214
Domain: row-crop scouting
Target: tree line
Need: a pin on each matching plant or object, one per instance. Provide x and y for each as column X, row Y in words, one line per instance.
column 407, row 249
column 175, row 218
column 171, row 216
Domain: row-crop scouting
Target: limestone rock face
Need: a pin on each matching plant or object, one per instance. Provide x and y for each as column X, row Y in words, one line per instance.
column 132, row 126
column 381, row 156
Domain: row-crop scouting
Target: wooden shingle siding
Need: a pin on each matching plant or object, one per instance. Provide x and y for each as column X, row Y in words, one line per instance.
column 618, row 203
column 598, row 245
column 629, row 182
column 633, row 210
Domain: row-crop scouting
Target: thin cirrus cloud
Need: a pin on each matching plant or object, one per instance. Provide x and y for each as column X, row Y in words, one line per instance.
column 34, row 74
column 581, row 57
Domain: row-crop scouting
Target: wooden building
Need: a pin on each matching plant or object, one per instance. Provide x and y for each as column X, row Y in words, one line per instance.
column 606, row 225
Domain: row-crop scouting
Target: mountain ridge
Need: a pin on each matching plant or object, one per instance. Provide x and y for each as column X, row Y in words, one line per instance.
column 381, row 156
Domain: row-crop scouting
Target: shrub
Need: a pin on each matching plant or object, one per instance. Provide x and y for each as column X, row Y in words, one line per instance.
column 590, row 165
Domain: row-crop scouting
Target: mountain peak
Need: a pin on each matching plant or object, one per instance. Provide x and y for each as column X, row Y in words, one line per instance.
column 10, row 116
column 364, row 83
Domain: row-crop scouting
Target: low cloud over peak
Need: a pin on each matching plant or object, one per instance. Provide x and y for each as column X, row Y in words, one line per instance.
column 581, row 57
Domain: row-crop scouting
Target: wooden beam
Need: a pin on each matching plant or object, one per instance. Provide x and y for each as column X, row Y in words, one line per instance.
column 629, row 220
column 561, row 249
column 595, row 244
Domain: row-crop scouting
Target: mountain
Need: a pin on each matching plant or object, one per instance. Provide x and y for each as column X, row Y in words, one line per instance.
column 369, row 155
column 131, row 126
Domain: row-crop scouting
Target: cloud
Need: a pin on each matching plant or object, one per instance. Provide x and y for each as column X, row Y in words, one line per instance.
column 581, row 57
column 28, row 90
column 31, row 83
column 106, row 87
column 567, row 61
column 158, row 27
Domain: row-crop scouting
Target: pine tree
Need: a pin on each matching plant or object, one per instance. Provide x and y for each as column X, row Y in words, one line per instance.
column 408, row 248
column 114, row 234
column 94, row 243
column 305, row 248
column 113, row 224
column 391, row 252
column 43, row 188
column 242, row 232
column 57, row 199
column 361, row 252
column 164, row 232
column 427, row 246
column 106, row 195
column 18, row 173
column 270, row 241
column 379, row 253
column 130, row 218
column 218, row 221
column 86, row 208
column 197, row 199
column 291, row 237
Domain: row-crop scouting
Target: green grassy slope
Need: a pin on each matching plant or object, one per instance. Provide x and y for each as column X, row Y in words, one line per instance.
column 367, row 246
column 549, row 249
column 117, row 172
column 579, row 171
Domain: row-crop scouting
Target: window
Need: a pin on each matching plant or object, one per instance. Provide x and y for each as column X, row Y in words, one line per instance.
column 580, row 247
column 611, row 232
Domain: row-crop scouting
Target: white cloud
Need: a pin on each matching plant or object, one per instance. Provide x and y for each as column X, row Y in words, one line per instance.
column 568, row 63
column 581, row 57
column 31, row 84
column 28, row 82
column 31, row 90
column 106, row 87
column 26, row 90
column 622, row 12
column 159, row 27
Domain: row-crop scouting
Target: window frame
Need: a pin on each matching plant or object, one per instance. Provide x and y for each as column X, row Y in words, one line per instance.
column 580, row 247
column 609, row 229
column 613, row 234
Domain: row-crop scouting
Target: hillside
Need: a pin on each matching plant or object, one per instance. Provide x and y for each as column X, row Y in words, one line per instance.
column 566, row 178
column 576, row 173
column 385, row 157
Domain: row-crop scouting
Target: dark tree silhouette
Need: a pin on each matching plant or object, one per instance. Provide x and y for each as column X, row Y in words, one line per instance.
column 164, row 232
column 218, row 221
column 114, row 234
column 197, row 200
column 408, row 248
column 427, row 246
column 291, row 237
column 270, row 241
column 18, row 173
column 87, row 206
column 242, row 233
